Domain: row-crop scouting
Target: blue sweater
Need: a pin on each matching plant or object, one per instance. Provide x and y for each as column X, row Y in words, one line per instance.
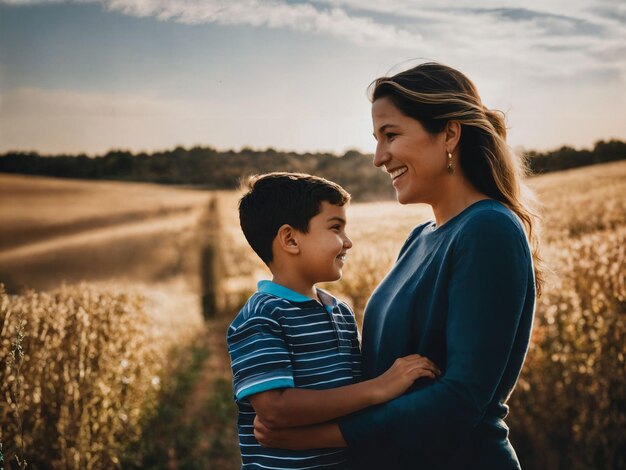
column 463, row 295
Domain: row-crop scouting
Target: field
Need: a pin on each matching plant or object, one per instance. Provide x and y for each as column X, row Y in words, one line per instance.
column 120, row 264
column 162, row 252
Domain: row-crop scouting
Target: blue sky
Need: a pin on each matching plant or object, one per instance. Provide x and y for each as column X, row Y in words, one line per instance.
column 93, row 75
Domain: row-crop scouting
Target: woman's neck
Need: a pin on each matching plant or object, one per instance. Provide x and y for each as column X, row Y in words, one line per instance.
column 459, row 195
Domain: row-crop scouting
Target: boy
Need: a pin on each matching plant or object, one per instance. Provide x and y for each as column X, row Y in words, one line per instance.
column 294, row 348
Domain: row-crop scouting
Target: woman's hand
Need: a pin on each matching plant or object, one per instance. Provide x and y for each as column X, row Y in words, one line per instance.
column 301, row 438
column 401, row 375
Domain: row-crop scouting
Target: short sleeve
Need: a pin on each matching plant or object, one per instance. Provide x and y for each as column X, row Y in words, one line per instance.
column 259, row 357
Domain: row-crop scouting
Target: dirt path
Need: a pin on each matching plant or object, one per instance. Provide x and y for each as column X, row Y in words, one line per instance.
column 195, row 427
column 216, row 366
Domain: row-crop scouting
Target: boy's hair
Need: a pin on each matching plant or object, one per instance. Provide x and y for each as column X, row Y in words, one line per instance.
column 275, row 199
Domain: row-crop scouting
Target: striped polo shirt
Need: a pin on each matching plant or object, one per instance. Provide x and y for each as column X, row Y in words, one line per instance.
column 282, row 339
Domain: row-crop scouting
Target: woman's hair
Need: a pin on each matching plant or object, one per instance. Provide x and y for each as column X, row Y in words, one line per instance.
column 435, row 94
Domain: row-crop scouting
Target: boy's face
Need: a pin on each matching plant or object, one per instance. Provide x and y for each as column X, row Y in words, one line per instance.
column 323, row 248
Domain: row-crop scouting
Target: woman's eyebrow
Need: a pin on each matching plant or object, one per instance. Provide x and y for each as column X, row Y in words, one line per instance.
column 382, row 128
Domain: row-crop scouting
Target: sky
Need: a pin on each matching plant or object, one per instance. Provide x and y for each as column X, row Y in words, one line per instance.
column 89, row 76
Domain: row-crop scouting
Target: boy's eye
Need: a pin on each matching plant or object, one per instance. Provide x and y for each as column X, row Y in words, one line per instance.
column 336, row 227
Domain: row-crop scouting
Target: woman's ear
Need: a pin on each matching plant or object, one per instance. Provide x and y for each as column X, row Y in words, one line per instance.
column 287, row 239
column 453, row 135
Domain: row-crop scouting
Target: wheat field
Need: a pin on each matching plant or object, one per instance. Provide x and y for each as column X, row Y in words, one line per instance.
column 105, row 278
column 118, row 286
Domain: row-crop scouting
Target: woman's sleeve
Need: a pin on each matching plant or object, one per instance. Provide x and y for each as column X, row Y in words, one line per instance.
column 486, row 296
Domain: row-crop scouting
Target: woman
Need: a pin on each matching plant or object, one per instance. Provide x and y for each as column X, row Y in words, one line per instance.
column 462, row 291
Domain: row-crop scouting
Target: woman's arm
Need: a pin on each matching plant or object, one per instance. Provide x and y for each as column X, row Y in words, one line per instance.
column 288, row 407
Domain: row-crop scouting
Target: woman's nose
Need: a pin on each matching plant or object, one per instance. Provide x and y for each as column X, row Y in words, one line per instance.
column 347, row 243
column 381, row 156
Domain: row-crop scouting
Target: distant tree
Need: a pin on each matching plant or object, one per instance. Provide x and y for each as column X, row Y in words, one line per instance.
column 210, row 168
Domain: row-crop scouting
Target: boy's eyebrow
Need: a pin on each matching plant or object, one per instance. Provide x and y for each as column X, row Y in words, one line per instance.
column 340, row 219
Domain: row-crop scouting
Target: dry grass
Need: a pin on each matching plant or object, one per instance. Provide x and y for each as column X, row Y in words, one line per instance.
column 97, row 354
column 582, row 201
column 91, row 367
column 566, row 410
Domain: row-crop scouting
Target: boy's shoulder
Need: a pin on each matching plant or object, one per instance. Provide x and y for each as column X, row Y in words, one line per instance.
column 263, row 306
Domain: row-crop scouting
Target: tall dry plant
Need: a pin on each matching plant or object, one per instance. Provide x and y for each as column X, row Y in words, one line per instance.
column 568, row 410
column 16, row 359
column 90, row 370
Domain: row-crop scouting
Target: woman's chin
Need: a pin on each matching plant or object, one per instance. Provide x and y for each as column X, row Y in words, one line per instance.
column 406, row 197
column 403, row 198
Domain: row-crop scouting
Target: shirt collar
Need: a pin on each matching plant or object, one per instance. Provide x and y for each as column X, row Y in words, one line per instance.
column 283, row 292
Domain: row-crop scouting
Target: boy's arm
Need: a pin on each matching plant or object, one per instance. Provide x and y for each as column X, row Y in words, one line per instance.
column 290, row 407
column 317, row 436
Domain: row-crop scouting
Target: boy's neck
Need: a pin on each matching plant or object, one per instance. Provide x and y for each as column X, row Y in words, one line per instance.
column 300, row 286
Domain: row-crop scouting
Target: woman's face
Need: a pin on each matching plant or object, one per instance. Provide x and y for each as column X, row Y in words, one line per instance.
column 415, row 160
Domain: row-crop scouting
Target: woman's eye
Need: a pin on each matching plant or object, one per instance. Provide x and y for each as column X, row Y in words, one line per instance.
column 390, row 135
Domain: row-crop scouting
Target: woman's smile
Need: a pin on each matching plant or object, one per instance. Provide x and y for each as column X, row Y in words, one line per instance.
column 397, row 172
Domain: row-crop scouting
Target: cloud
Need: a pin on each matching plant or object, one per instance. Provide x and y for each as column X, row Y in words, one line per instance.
column 303, row 17
column 562, row 38
column 550, row 24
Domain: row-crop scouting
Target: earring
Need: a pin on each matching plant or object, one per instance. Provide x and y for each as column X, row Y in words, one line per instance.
column 449, row 166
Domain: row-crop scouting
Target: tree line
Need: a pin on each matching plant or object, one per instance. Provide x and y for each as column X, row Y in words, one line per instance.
column 208, row 168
